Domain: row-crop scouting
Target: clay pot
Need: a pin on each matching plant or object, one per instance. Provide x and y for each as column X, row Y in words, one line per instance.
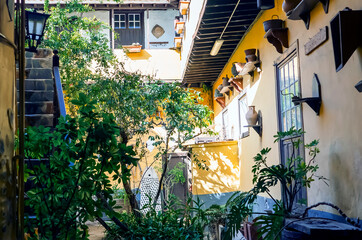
column 289, row 5
column 251, row 116
column 225, row 81
column 250, row 55
column 273, row 23
column 239, row 66
column 219, row 87
column 217, row 94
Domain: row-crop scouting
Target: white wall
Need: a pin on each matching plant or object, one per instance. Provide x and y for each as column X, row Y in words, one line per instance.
column 102, row 16
column 163, row 18
column 194, row 16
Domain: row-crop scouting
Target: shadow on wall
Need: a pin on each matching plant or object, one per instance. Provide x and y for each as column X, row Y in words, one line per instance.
column 223, row 175
column 143, row 55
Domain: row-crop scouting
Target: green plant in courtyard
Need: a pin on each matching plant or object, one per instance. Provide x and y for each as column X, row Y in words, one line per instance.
column 187, row 222
column 292, row 176
column 74, row 186
column 138, row 102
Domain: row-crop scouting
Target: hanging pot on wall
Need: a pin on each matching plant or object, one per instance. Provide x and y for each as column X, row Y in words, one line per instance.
column 251, row 116
column 239, row 66
column 225, row 81
column 217, row 94
column 219, row 87
column 273, row 23
column 250, row 55
column 265, row 4
column 290, row 5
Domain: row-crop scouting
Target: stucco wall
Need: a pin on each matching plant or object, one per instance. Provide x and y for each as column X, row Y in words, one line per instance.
column 7, row 127
column 339, row 125
column 223, row 173
column 163, row 18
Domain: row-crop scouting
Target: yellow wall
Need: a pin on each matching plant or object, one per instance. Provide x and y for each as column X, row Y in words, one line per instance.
column 339, row 125
column 223, row 174
column 7, row 103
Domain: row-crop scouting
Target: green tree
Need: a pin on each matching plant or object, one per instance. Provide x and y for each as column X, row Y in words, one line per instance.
column 83, row 152
column 138, row 102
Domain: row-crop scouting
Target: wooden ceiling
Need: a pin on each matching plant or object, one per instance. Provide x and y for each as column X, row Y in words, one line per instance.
column 201, row 66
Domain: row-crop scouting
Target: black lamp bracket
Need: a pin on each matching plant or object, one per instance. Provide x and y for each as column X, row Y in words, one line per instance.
column 315, row 101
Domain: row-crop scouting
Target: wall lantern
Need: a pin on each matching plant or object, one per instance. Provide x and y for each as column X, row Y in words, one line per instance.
column 34, row 29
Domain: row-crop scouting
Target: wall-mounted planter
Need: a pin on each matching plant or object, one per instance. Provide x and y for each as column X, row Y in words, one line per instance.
column 273, row 23
column 184, row 5
column 178, row 42
column 249, row 68
column 303, row 9
column 346, row 35
column 226, row 86
column 179, row 28
column 265, row 4
column 219, row 98
column 237, row 83
column 278, row 37
column 250, row 55
column 289, row 5
column 132, row 48
column 258, row 126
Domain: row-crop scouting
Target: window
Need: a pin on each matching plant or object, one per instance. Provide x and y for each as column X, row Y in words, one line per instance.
column 225, row 125
column 290, row 115
column 243, row 109
column 120, row 21
column 134, row 20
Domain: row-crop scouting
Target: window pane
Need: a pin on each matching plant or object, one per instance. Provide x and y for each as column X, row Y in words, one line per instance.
column 137, row 24
column 137, row 17
column 131, row 25
column 116, row 17
column 123, row 17
column 243, row 109
column 299, row 118
column 130, row 17
column 116, row 25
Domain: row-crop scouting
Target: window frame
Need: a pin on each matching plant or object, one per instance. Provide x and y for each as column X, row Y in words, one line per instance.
column 134, row 21
column 242, row 121
column 119, row 21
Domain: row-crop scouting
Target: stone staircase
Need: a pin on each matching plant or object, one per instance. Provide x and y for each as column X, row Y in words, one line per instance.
column 39, row 89
column 41, row 101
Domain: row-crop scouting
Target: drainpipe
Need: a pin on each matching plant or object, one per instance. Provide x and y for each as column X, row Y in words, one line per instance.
column 21, row 59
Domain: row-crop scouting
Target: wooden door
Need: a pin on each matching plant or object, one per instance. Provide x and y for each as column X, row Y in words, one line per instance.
column 129, row 28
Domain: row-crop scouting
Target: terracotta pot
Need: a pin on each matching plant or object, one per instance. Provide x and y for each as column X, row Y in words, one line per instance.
column 251, row 116
column 250, row 55
column 239, row 67
column 225, row 81
column 273, row 23
column 289, row 5
column 217, row 94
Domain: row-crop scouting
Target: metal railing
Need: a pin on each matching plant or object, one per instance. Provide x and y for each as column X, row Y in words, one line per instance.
column 59, row 99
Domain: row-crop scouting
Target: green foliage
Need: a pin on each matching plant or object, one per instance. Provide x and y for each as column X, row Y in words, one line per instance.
column 175, row 222
column 292, row 176
column 269, row 225
column 83, row 151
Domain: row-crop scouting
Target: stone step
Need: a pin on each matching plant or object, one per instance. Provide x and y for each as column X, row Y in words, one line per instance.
column 39, row 63
column 38, row 73
column 38, row 84
column 39, row 120
column 37, row 95
column 41, row 53
column 39, row 107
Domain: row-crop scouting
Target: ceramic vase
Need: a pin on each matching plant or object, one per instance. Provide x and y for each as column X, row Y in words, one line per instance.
column 251, row 116
column 250, row 55
column 289, row 5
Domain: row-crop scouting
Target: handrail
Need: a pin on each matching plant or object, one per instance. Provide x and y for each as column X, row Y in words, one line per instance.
column 58, row 84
